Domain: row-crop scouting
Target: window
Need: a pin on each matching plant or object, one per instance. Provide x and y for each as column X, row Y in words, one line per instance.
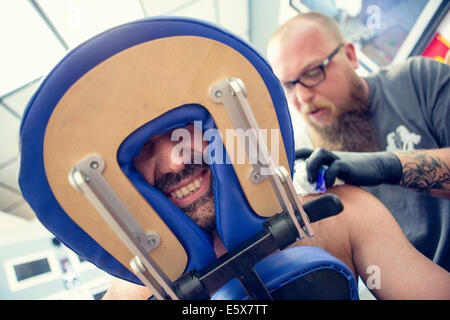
column 383, row 31
column 31, row 270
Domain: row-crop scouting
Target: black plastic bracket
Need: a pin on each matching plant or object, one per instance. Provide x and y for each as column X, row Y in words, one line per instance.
column 278, row 233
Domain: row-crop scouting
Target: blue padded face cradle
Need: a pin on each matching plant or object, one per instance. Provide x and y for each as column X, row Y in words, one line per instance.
column 230, row 202
column 197, row 244
column 32, row 177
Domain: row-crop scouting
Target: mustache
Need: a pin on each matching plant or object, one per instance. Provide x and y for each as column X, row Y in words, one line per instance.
column 313, row 106
column 170, row 179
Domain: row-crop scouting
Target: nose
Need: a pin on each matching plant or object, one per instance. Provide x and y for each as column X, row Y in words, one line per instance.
column 169, row 158
column 303, row 94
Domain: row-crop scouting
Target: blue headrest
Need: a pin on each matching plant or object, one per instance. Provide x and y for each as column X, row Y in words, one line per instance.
column 295, row 263
column 235, row 219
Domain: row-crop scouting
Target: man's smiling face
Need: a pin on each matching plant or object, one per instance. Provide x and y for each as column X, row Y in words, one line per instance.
column 188, row 186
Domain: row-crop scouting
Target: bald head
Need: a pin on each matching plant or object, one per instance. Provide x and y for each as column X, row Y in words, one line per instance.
column 313, row 33
column 324, row 24
column 298, row 49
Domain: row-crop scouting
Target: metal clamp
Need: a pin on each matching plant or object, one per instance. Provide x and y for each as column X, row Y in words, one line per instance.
column 232, row 94
column 87, row 178
column 298, row 214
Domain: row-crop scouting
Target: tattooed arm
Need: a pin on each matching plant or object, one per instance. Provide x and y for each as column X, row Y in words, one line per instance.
column 426, row 171
column 421, row 170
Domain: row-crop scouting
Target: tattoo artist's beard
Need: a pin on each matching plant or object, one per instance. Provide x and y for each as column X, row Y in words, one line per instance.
column 201, row 211
column 351, row 131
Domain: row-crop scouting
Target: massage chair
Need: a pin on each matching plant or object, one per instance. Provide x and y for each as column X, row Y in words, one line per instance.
column 94, row 111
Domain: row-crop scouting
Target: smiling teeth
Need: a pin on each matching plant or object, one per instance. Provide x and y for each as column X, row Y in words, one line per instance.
column 186, row 190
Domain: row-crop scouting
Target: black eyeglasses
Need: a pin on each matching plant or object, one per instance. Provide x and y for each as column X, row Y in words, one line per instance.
column 314, row 76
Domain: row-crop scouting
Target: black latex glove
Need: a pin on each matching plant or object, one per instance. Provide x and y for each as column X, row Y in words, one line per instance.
column 356, row 168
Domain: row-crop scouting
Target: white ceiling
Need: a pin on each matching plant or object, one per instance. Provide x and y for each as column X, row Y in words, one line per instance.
column 37, row 33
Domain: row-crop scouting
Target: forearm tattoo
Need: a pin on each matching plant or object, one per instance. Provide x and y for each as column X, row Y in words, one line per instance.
column 424, row 172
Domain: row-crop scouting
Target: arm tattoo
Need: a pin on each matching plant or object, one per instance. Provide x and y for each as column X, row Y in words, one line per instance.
column 424, row 172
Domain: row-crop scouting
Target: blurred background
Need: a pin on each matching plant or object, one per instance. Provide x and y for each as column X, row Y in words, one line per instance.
column 36, row 34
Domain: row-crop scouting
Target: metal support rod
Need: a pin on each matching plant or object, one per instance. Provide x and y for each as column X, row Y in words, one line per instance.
column 86, row 177
column 232, row 94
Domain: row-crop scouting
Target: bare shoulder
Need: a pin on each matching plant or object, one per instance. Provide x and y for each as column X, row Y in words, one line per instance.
column 123, row 290
column 365, row 215
column 353, row 195
column 334, row 234
column 350, row 195
column 362, row 210
column 358, row 204
column 343, row 234
column 378, row 243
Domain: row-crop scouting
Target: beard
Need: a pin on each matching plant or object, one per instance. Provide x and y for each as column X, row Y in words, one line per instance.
column 201, row 211
column 352, row 130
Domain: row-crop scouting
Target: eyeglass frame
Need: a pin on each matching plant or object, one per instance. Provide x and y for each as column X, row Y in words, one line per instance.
column 322, row 66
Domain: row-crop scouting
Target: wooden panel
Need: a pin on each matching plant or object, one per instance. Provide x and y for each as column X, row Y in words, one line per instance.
column 123, row 93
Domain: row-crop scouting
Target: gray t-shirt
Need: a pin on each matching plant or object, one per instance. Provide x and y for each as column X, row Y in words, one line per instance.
column 410, row 110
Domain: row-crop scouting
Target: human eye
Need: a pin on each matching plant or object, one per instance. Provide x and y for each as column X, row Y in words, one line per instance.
column 149, row 147
column 288, row 85
column 312, row 74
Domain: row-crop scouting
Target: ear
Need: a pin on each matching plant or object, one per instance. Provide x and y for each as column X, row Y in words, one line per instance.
column 350, row 53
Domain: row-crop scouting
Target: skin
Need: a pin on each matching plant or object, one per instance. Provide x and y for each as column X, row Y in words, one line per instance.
column 363, row 235
column 155, row 166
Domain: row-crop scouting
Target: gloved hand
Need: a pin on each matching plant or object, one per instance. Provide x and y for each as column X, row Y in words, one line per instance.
column 356, row 168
